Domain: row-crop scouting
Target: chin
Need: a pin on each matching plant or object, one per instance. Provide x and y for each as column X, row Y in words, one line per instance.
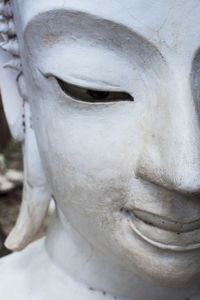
column 176, row 275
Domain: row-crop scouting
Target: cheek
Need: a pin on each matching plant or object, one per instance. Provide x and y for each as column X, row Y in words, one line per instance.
column 86, row 166
column 85, row 179
column 89, row 183
column 89, row 156
column 86, row 150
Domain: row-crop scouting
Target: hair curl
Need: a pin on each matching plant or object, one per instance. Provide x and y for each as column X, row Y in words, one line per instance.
column 8, row 36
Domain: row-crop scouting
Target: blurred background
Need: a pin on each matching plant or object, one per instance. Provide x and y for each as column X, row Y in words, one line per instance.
column 11, row 179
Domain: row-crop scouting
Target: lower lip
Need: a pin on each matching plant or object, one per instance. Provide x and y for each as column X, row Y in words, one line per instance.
column 165, row 239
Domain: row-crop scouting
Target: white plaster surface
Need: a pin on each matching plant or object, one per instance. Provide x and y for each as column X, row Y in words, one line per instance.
column 31, row 274
column 125, row 175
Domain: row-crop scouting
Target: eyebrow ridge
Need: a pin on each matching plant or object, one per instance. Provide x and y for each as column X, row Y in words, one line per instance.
column 92, row 17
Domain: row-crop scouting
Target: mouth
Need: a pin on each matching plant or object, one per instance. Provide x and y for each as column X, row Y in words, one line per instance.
column 162, row 232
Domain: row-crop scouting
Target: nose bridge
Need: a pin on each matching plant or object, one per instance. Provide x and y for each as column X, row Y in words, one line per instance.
column 177, row 141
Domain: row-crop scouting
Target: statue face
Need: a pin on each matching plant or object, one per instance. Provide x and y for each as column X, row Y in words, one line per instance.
column 114, row 99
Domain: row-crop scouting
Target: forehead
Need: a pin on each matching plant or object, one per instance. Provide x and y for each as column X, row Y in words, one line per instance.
column 169, row 25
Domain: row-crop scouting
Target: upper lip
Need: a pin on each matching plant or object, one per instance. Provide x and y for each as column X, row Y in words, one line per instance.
column 161, row 222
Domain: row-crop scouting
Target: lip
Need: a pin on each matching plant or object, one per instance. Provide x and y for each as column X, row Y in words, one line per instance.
column 162, row 232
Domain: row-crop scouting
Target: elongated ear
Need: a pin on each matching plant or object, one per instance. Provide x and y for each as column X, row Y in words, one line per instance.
column 36, row 192
column 12, row 101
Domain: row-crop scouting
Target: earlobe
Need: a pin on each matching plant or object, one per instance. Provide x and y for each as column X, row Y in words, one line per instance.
column 36, row 193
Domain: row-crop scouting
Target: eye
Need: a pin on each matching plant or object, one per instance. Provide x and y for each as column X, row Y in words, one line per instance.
column 92, row 96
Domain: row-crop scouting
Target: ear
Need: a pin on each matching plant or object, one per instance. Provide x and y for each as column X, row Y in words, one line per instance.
column 36, row 192
column 12, row 102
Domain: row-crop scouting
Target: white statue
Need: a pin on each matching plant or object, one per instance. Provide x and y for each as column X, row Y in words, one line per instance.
column 105, row 99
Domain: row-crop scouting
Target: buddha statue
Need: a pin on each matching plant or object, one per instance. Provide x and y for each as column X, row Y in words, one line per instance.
column 104, row 96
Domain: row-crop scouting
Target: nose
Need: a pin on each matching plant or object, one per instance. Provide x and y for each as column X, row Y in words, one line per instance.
column 171, row 156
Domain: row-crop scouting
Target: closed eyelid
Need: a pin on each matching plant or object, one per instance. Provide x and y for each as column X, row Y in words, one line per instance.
column 92, row 95
column 87, row 94
column 85, row 82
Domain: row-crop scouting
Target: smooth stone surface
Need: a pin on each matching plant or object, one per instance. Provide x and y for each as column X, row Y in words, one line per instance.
column 30, row 274
column 104, row 97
